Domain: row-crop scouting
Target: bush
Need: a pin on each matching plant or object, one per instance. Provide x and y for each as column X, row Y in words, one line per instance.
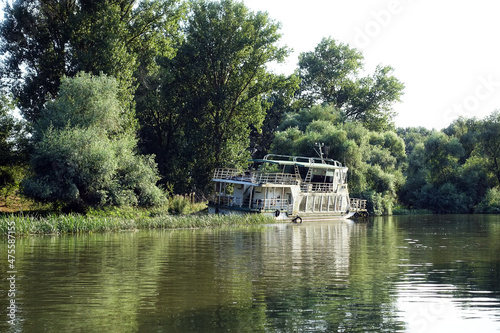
column 490, row 203
column 10, row 179
column 83, row 161
column 178, row 205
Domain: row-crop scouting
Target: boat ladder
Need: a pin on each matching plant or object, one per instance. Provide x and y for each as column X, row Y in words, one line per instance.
column 308, row 176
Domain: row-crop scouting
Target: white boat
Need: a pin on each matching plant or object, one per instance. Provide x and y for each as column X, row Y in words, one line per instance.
column 286, row 187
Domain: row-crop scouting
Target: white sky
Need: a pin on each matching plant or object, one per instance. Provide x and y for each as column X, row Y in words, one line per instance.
column 447, row 53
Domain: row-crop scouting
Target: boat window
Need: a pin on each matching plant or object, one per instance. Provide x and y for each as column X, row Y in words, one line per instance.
column 302, row 206
column 309, row 205
column 324, row 204
column 318, row 179
column 317, row 204
column 331, row 204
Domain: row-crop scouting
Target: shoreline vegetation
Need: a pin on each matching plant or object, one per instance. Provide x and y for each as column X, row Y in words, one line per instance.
column 139, row 117
column 180, row 213
column 32, row 223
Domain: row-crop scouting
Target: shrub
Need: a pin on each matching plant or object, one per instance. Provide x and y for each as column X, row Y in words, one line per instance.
column 86, row 156
column 178, row 205
column 490, row 203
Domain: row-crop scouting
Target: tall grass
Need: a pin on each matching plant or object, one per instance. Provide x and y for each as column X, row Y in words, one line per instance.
column 75, row 223
column 406, row 211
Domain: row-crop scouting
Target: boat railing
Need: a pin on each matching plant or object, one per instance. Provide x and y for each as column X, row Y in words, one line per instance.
column 271, row 204
column 232, row 174
column 261, row 204
column 275, row 178
column 301, row 159
column 256, row 177
column 318, row 187
column 357, row 205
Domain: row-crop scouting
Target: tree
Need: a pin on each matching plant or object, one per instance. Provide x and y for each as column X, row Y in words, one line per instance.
column 13, row 147
column 216, row 87
column 489, row 142
column 44, row 40
column 329, row 74
column 437, row 177
column 282, row 102
column 376, row 160
column 442, row 156
column 83, row 153
column 8, row 125
column 466, row 130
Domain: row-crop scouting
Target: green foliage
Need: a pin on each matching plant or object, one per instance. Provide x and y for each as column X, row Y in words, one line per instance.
column 444, row 199
column 489, row 142
column 178, row 204
column 376, row 160
column 282, row 102
column 399, row 210
column 412, row 137
column 379, row 203
column 116, row 220
column 44, row 40
column 86, row 102
column 490, row 203
column 84, row 158
column 214, row 92
column 13, row 149
column 13, row 136
column 455, row 170
column 442, row 155
column 7, row 126
column 10, row 180
column 467, row 131
column 329, row 74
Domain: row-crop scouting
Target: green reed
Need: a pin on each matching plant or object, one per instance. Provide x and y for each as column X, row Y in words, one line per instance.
column 77, row 223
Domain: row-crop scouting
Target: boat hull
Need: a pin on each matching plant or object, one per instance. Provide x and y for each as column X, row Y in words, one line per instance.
column 286, row 188
column 280, row 214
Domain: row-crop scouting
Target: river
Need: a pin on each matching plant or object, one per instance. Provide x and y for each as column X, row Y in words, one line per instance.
column 430, row 273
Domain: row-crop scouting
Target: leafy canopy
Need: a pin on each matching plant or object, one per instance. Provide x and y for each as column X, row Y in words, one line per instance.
column 330, row 74
column 44, row 40
column 82, row 155
column 216, row 86
column 376, row 160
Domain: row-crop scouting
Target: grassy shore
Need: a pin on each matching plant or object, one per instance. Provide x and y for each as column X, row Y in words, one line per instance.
column 179, row 212
column 405, row 211
column 32, row 223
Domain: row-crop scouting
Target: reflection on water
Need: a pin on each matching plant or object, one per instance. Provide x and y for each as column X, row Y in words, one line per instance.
column 394, row 274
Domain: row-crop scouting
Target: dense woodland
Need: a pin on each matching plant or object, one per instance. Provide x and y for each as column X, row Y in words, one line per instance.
column 126, row 102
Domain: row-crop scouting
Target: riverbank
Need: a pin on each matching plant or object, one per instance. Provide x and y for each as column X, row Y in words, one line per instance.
column 30, row 224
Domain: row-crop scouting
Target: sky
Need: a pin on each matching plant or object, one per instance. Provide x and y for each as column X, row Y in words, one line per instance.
column 447, row 53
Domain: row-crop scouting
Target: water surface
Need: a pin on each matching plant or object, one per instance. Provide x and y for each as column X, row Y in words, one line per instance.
column 392, row 274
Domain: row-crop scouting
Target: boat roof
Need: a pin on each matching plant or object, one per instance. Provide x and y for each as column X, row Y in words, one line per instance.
column 308, row 162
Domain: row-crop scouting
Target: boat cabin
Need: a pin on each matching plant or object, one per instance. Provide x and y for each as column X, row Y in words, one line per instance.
column 284, row 186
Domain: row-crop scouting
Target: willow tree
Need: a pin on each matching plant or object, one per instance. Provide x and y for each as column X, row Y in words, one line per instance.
column 84, row 155
column 218, row 81
column 330, row 74
column 376, row 159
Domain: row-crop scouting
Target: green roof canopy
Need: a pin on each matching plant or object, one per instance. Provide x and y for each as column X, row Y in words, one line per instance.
column 306, row 162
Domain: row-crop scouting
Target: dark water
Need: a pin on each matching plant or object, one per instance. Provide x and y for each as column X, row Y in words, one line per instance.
column 393, row 274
